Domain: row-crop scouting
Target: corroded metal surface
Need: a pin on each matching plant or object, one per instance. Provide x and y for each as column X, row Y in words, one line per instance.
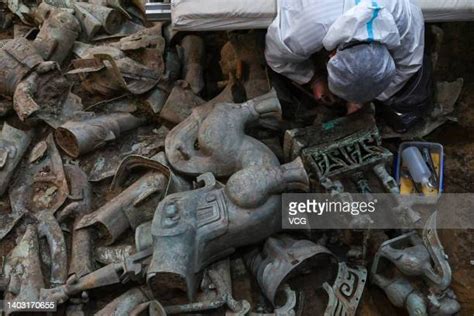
column 26, row 73
column 13, row 145
column 283, row 256
column 180, row 103
column 22, row 9
column 107, row 71
column 23, row 269
column 91, row 15
column 149, row 37
column 196, row 145
column 131, row 207
column 113, row 254
column 77, row 138
column 338, row 152
column 338, row 147
column 42, row 185
column 18, row 57
column 8, row 222
column 346, row 292
column 81, row 262
column 126, row 303
column 144, row 141
column 417, row 257
column 217, row 277
column 56, row 37
column 402, row 294
column 151, row 308
column 41, row 190
column 205, row 224
column 193, row 58
column 132, row 268
column 288, row 308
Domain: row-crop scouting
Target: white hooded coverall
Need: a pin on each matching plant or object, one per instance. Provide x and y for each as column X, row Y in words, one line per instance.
column 304, row 27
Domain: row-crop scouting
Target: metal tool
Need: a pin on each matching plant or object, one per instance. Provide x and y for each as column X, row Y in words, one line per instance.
column 158, row 11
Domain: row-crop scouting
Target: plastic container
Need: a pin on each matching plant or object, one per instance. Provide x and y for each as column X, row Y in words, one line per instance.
column 419, row 171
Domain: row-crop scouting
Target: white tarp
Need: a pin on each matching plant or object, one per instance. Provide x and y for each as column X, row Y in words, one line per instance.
column 203, row 15
column 213, row 15
column 447, row 10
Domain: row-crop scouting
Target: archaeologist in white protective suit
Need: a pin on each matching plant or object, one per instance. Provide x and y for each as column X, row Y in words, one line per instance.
column 376, row 54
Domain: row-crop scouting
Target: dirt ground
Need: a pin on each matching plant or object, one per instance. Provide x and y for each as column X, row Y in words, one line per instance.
column 458, row 140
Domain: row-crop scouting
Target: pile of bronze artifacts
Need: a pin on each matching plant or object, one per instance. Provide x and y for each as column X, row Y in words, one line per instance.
column 140, row 176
